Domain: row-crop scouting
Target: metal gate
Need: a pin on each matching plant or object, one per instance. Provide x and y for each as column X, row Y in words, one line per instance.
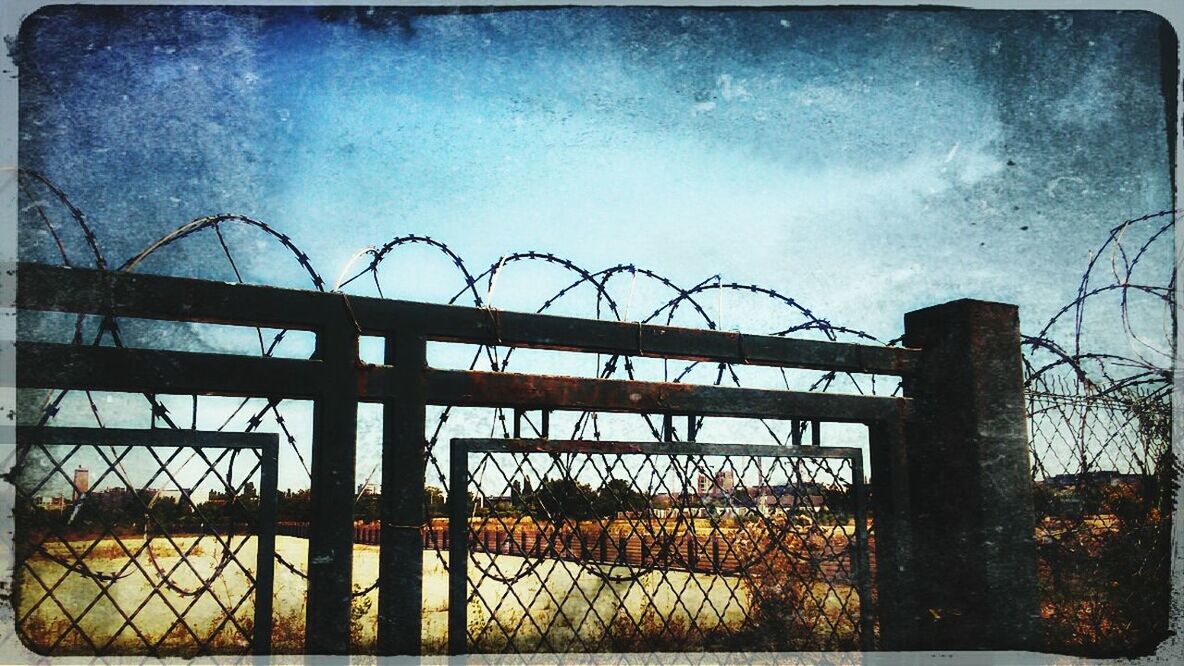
column 948, row 457
column 144, row 547
column 595, row 546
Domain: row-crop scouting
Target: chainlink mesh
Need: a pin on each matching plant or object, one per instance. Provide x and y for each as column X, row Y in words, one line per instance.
column 611, row 551
column 1104, row 481
column 135, row 549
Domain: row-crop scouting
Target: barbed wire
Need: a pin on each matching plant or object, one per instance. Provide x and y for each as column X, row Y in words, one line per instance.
column 1110, row 371
column 1099, row 375
column 1099, row 414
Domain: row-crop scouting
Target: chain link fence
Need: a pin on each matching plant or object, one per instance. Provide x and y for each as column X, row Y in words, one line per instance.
column 1099, row 423
column 626, row 548
column 1105, row 480
column 1099, row 381
column 134, row 542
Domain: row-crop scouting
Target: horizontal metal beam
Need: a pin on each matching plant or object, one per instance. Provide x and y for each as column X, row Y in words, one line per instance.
column 196, row 439
column 88, row 291
column 450, row 323
column 61, row 366
column 480, row 445
column 497, row 389
column 42, row 287
column 121, row 369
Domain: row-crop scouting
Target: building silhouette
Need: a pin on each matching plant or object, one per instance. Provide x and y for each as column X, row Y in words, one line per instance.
column 81, row 482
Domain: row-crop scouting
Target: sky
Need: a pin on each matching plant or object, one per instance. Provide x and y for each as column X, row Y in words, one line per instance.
column 864, row 162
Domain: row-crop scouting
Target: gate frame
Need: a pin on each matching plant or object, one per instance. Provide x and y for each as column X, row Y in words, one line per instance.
column 265, row 443
column 458, row 530
column 944, row 364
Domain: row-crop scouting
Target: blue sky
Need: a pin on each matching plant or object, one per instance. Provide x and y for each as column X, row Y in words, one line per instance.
column 864, row 162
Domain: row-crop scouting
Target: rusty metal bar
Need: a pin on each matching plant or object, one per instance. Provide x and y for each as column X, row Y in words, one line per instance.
column 489, row 389
column 586, row 446
column 265, row 545
column 458, row 549
column 331, row 530
column 83, row 290
column 400, row 562
column 861, row 562
column 63, row 366
column 895, row 567
column 54, row 435
column 88, row 291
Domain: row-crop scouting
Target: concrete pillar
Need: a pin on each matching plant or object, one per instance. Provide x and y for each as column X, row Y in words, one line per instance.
column 970, row 486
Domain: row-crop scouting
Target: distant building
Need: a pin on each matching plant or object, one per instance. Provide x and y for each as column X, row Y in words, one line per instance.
column 174, row 494
column 725, row 480
column 723, row 483
column 247, row 491
column 367, row 488
column 1098, row 478
column 55, row 503
column 81, row 482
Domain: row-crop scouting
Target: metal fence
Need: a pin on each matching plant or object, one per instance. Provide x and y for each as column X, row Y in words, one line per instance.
column 405, row 385
column 143, row 541
column 1099, row 378
column 1122, row 433
column 587, row 546
column 1105, row 483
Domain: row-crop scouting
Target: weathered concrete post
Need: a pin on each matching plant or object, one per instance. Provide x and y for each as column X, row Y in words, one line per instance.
column 970, row 485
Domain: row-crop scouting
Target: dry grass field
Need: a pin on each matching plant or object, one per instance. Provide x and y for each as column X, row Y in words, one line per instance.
column 574, row 608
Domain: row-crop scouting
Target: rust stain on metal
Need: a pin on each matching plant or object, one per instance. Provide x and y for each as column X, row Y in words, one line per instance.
column 569, row 446
column 363, row 376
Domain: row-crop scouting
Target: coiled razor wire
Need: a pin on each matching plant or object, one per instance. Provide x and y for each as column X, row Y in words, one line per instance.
column 110, row 326
column 1117, row 371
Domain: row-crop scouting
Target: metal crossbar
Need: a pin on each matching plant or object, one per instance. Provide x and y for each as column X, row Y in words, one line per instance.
column 626, row 546
column 183, row 299
column 335, row 382
column 1109, row 461
column 121, row 563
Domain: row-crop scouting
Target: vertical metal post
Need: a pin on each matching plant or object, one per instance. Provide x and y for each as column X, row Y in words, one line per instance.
column 815, row 433
column 265, row 547
column 331, row 530
column 458, row 550
column 400, row 559
column 970, row 479
column 894, row 573
column 860, row 555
